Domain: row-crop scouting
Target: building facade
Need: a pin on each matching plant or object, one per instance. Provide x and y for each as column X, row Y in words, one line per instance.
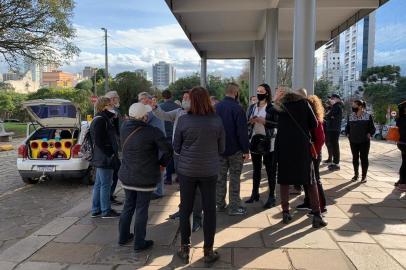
column 57, row 78
column 332, row 62
column 24, row 84
column 163, row 74
column 88, row 72
column 368, row 46
column 142, row 72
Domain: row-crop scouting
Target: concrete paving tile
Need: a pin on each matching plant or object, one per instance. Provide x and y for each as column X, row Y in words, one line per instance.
column 67, row 253
column 391, row 241
column 355, row 195
column 349, row 201
column 385, row 203
column 224, row 261
column 102, row 235
column 399, row 255
column 90, row 267
column 361, row 211
column 162, row 234
column 81, row 210
column 390, row 212
column 169, row 200
column 378, row 225
column 382, row 195
column 252, row 220
column 343, row 224
column 164, row 257
column 114, row 254
column 75, row 233
column 163, row 208
column 41, row 266
column 369, row 257
column 57, row 226
column 335, row 212
column 7, row 265
column 332, row 259
column 24, row 248
column 353, row 237
column 261, row 258
column 159, row 217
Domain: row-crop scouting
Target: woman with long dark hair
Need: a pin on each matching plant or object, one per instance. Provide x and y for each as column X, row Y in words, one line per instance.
column 262, row 120
column 401, row 124
column 199, row 140
column 360, row 128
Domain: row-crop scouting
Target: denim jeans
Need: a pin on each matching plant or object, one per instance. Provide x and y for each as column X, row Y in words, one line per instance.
column 160, row 190
column 101, row 191
column 137, row 201
column 114, row 184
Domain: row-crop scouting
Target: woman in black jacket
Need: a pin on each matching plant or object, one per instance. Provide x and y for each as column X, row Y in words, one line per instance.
column 140, row 172
column 199, row 140
column 105, row 158
column 401, row 124
column 360, row 128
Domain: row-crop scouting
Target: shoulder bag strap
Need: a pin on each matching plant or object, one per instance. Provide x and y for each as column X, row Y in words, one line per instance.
column 128, row 137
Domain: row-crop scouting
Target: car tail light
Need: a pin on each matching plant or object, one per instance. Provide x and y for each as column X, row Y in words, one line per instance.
column 23, row 151
column 69, row 145
column 58, row 145
column 76, row 151
column 44, row 145
column 34, row 145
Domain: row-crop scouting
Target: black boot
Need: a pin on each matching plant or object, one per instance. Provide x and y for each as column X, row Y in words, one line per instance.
column 253, row 198
column 364, row 179
column 286, row 217
column 355, row 178
column 210, row 256
column 271, row 202
column 318, row 221
column 183, row 253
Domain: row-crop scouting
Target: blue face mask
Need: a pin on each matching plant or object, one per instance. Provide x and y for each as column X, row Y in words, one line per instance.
column 186, row 104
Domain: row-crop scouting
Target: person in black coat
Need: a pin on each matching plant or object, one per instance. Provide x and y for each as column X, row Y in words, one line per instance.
column 333, row 129
column 199, row 140
column 360, row 128
column 140, row 172
column 105, row 158
column 292, row 146
column 401, row 124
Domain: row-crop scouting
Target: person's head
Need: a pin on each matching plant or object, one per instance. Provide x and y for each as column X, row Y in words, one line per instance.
column 264, row 93
column 302, row 92
column 200, row 101
column 144, row 98
column 139, row 111
column 334, row 98
column 232, row 90
column 317, row 107
column 358, row 105
column 280, row 92
column 213, row 100
column 254, row 100
column 102, row 104
column 186, row 100
column 167, row 94
column 114, row 98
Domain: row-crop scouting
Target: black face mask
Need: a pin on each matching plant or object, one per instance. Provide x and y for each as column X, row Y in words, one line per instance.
column 262, row 96
column 355, row 109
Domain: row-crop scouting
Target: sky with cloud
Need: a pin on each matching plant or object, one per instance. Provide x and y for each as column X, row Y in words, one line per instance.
column 143, row 32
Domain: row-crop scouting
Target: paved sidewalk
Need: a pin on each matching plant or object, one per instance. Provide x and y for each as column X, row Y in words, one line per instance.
column 367, row 230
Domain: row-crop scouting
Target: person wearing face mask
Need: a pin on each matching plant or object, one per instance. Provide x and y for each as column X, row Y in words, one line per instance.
column 105, row 158
column 173, row 116
column 140, row 173
column 333, row 129
column 260, row 132
column 360, row 127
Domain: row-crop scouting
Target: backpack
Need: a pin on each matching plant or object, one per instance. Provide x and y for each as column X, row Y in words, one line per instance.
column 87, row 147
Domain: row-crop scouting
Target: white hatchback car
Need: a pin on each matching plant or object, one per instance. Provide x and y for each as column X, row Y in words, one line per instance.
column 53, row 149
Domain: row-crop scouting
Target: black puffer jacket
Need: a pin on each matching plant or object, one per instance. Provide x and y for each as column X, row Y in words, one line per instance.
column 199, row 141
column 140, row 165
column 334, row 117
column 103, row 135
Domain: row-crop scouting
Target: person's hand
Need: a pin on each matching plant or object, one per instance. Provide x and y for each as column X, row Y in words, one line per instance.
column 369, row 136
column 246, row 156
column 260, row 120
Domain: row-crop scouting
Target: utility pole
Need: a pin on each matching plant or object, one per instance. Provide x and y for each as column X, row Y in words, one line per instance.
column 106, row 69
column 94, row 89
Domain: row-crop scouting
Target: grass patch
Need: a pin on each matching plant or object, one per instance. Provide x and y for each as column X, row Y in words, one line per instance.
column 19, row 129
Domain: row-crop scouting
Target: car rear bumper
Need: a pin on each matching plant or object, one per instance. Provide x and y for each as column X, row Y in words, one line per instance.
column 58, row 174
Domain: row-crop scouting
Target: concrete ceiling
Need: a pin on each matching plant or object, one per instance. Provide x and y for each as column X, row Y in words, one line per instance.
column 227, row 29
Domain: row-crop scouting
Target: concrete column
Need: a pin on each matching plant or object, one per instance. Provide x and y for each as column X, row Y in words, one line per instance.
column 203, row 70
column 258, row 62
column 271, row 48
column 252, row 86
column 304, row 39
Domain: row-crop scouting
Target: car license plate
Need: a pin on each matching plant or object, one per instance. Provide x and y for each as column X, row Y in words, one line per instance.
column 46, row 168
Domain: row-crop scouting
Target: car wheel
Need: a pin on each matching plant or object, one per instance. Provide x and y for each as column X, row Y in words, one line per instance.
column 28, row 180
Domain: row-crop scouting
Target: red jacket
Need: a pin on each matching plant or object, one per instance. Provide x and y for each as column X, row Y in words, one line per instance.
column 318, row 136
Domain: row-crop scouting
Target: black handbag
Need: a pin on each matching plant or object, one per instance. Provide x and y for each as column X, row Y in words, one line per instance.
column 260, row 144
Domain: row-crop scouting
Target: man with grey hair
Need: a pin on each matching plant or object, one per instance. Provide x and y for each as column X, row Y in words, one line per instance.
column 116, row 121
column 146, row 99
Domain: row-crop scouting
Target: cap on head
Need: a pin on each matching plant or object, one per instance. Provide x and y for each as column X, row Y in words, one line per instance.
column 112, row 94
column 335, row 96
column 138, row 110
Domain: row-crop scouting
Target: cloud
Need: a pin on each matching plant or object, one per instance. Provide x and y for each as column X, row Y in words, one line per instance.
column 393, row 57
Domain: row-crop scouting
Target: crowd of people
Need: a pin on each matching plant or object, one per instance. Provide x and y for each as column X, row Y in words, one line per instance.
column 206, row 142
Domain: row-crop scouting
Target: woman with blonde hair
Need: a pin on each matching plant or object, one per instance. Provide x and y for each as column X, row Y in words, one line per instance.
column 318, row 140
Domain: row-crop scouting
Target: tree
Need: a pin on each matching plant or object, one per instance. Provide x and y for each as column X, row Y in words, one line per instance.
column 323, row 88
column 182, row 84
column 381, row 73
column 128, row 85
column 85, row 85
column 285, row 72
column 399, row 94
column 6, row 87
column 6, row 105
column 38, row 31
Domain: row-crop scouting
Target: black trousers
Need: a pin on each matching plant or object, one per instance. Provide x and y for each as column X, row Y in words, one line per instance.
column 270, row 167
column 320, row 189
column 188, row 187
column 402, row 170
column 360, row 151
column 333, row 146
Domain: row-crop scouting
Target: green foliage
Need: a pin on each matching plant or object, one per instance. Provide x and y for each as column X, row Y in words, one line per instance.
column 128, row 85
column 323, row 88
column 11, row 105
column 19, row 129
column 78, row 96
column 182, row 84
column 6, row 87
column 85, row 85
column 380, row 96
column 380, row 73
column 6, row 104
column 399, row 94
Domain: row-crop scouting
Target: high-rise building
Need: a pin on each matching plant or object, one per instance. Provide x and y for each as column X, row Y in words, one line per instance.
column 331, row 62
column 34, row 68
column 88, row 72
column 11, row 76
column 368, row 46
column 142, row 72
column 163, row 74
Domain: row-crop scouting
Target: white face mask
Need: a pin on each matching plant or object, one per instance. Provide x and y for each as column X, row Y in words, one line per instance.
column 186, row 104
column 112, row 111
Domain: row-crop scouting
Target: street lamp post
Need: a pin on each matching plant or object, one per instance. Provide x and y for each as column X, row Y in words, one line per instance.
column 94, row 89
column 106, row 69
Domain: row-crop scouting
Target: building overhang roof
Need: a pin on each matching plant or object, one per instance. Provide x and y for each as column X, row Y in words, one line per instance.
column 227, row 29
